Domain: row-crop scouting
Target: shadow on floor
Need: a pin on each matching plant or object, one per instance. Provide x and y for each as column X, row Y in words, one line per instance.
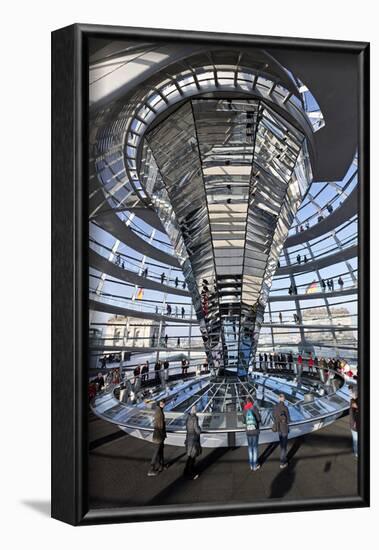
column 43, row 507
column 181, row 481
column 173, row 461
column 285, row 479
column 283, row 482
column 267, row 453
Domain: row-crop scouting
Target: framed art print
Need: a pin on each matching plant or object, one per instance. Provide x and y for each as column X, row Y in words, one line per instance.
column 210, row 327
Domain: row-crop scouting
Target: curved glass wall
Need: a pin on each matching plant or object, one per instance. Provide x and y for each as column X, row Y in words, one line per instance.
column 140, row 306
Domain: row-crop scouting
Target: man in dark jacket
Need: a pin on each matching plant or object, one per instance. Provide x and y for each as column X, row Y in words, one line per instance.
column 192, row 443
column 281, row 420
column 159, row 435
column 252, row 420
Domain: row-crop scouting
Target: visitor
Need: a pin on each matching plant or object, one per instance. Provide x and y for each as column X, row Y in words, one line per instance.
column 186, row 367
column 354, row 420
column 281, row 422
column 340, row 282
column 299, row 363
column 163, row 276
column 260, row 361
column 136, row 372
column 176, row 282
column 280, row 317
column 166, row 340
column 145, row 373
column 192, row 443
column 298, row 258
column 183, row 366
column 157, row 369
column 159, row 435
column 310, row 363
column 305, row 259
column 91, row 390
column 290, row 360
column 99, row 381
column 184, row 285
column 252, row 420
column 290, row 290
column 183, row 312
column 323, row 285
column 178, row 342
column 331, row 285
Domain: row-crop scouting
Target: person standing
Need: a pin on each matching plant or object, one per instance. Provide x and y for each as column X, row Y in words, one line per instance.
column 136, row 372
column 99, row 381
column 159, row 435
column 281, row 421
column 340, row 282
column 354, row 421
column 290, row 360
column 183, row 366
column 299, row 364
column 192, row 443
column 157, row 369
column 252, row 420
column 166, row 365
column 310, row 363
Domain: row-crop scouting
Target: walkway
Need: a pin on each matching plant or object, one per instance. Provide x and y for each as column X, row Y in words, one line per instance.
column 321, row 465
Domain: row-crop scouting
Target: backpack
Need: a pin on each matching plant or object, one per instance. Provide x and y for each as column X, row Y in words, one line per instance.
column 251, row 421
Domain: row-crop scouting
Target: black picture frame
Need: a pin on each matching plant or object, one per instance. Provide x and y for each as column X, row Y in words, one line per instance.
column 69, row 276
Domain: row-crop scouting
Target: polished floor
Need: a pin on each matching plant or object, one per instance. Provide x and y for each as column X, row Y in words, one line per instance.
column 321, row 465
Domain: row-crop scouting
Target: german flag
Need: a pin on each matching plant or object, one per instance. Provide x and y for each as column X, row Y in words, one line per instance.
column 139, row 294
column 313, row 287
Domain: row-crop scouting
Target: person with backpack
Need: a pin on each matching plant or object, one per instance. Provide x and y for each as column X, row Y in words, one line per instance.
column 281, row 421
column 252, row 420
